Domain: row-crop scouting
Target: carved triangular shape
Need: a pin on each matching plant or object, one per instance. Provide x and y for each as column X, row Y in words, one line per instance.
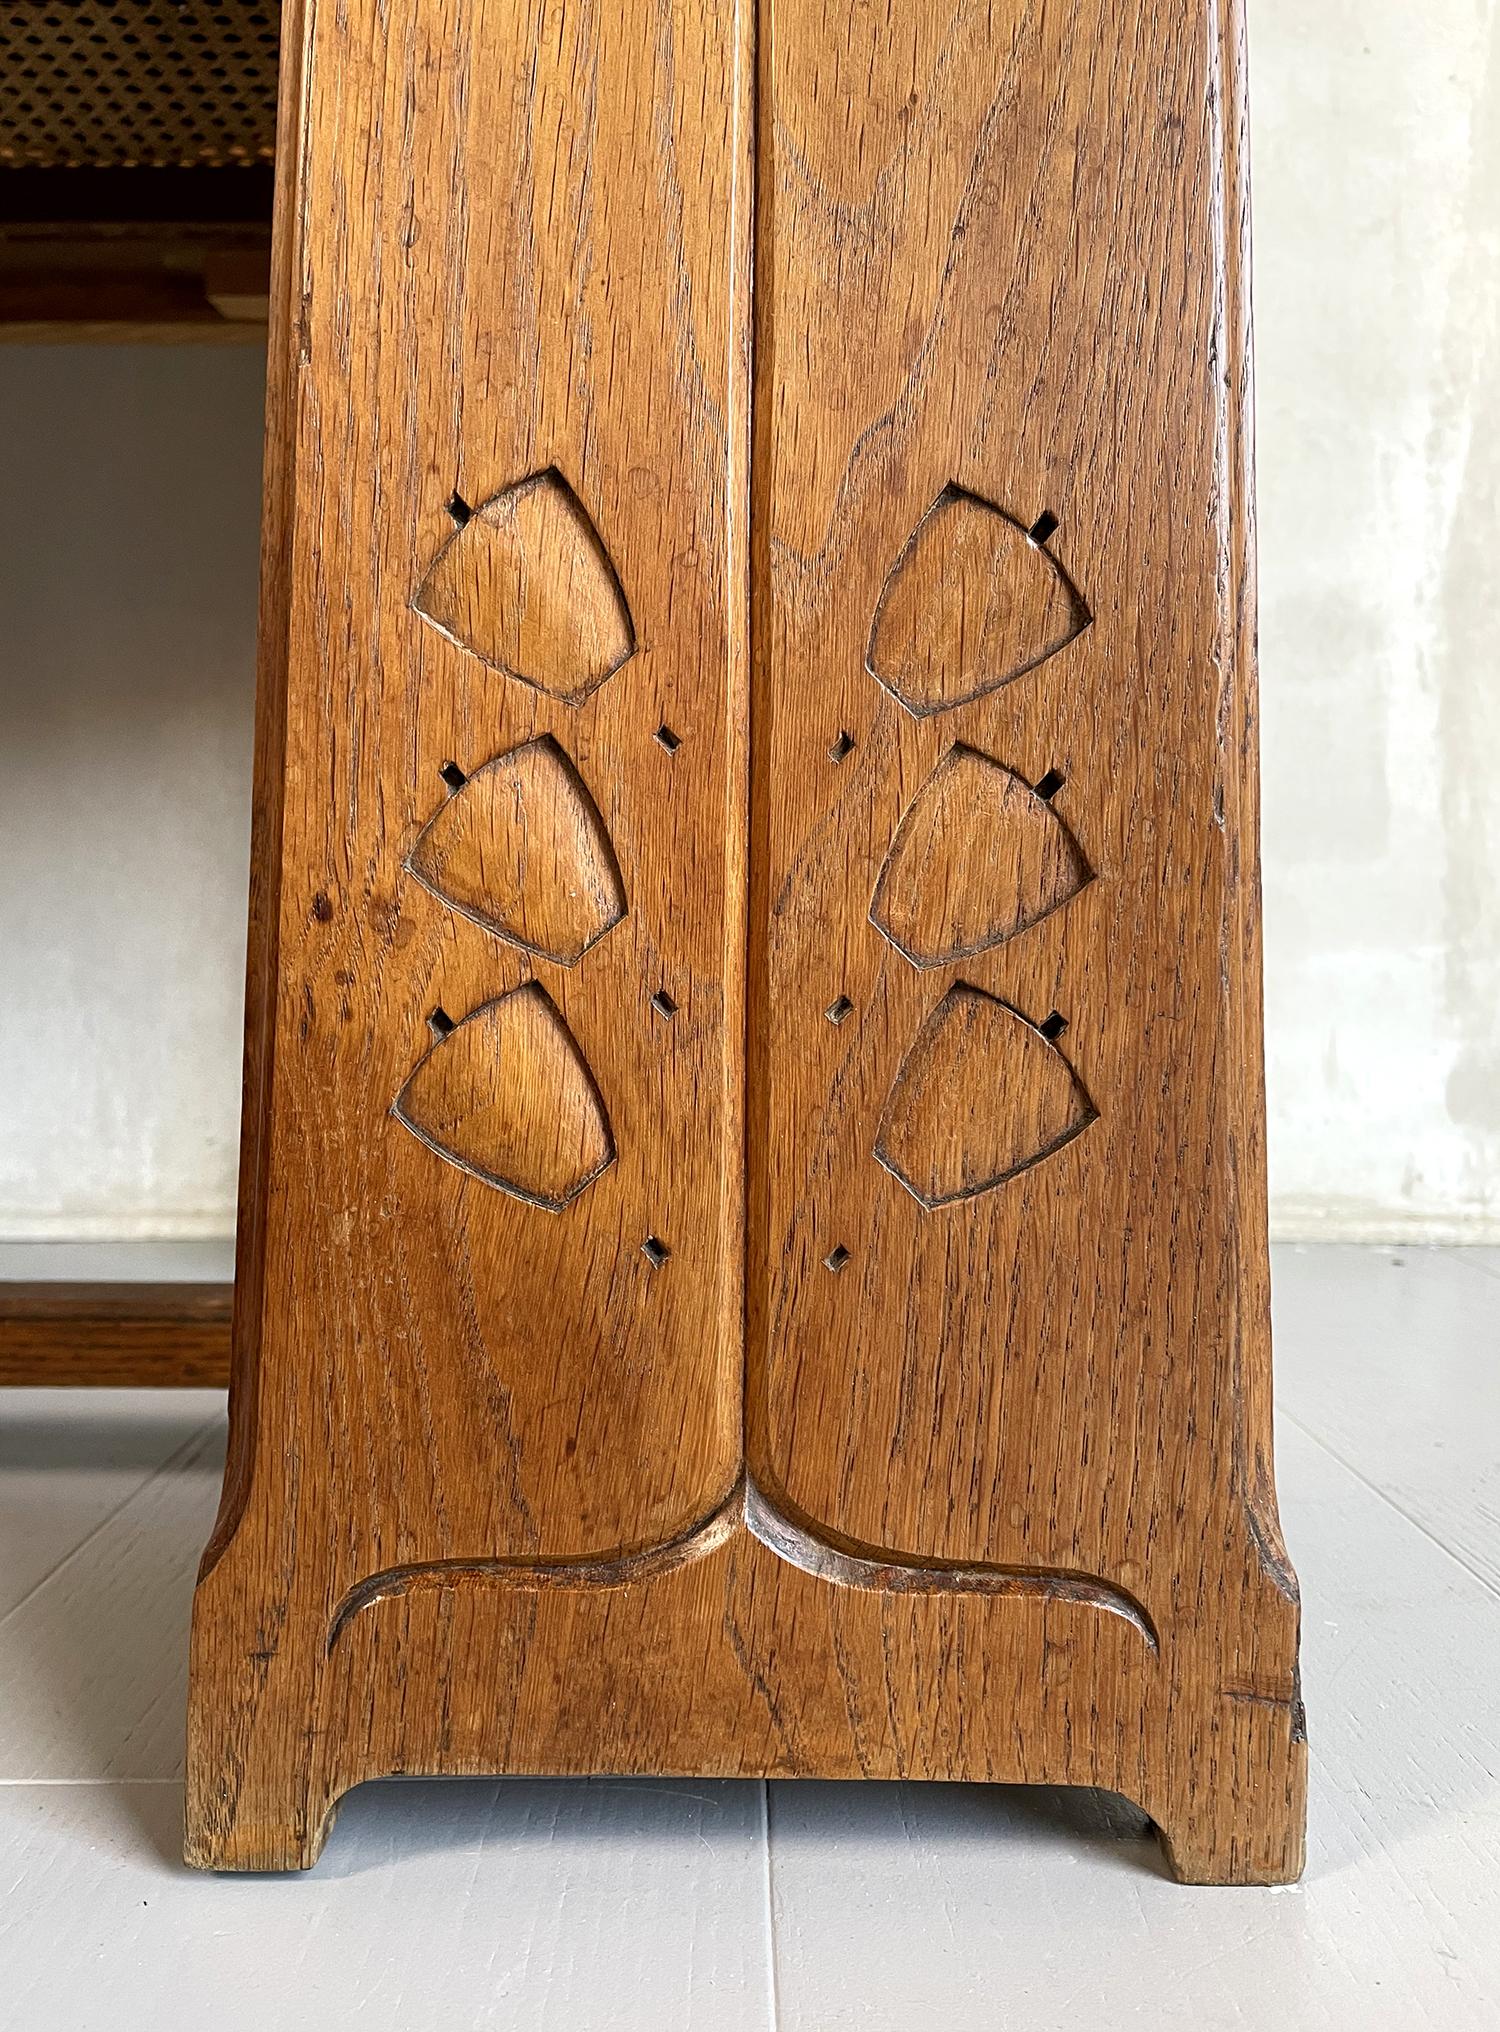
column 508, row 1097
column 527, row 585
column 521, row 848
column 972, row 602
column 978, row 858
column 981, row 1096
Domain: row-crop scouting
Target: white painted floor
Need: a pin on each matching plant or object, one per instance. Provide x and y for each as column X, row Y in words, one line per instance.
column 633, row 1907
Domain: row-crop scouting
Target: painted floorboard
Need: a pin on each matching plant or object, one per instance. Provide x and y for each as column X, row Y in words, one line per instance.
column 93, row 1649
column 459, row 1907
column 70, row 1461
column 1391, row 1358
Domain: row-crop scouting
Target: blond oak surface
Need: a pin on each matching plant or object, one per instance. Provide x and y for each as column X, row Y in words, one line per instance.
column 782, row 1347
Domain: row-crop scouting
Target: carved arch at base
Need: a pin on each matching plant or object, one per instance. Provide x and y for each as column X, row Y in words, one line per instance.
column 869, row 1569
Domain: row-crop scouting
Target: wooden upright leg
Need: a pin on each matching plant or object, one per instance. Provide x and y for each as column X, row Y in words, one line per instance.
column 753, row 1241
column 1008, row 1263
column 489, row 1308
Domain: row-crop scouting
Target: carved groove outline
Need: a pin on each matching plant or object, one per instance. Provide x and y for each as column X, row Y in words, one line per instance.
column 959, row 756
column 590, row 1085
column 588, row 817
column 913, row 1065
column 1081, row 617
column 548, row 478
column 868, row 1570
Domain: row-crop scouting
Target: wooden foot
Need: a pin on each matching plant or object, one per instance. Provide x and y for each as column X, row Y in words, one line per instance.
column 271, row 1827
column 1238, row 1811
column 261, row 1793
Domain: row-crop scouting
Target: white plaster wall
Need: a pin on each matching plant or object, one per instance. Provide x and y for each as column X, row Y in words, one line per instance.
column 1377, row 213
column 128, row 505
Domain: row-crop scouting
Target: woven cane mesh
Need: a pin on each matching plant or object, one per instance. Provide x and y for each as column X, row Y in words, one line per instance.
column 158, row 85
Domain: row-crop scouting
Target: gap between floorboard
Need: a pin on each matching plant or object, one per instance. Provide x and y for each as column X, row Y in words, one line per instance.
column 1388, row 1499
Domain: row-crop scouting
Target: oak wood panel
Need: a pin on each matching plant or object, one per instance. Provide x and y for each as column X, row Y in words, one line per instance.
column 1043, row 243
column 1042, row 254
column 166, row 1336
column 467, row 294
column 728, row 1658
column 607, row 1390
column 1003, row 1506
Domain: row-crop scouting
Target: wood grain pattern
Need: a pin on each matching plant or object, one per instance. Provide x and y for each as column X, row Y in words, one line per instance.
column 973, row 601
column 156, row 1336
column 608, row 1393
column 1025, row 1376
column 753, row 1457
column 527, row 584
column 491, row 1376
